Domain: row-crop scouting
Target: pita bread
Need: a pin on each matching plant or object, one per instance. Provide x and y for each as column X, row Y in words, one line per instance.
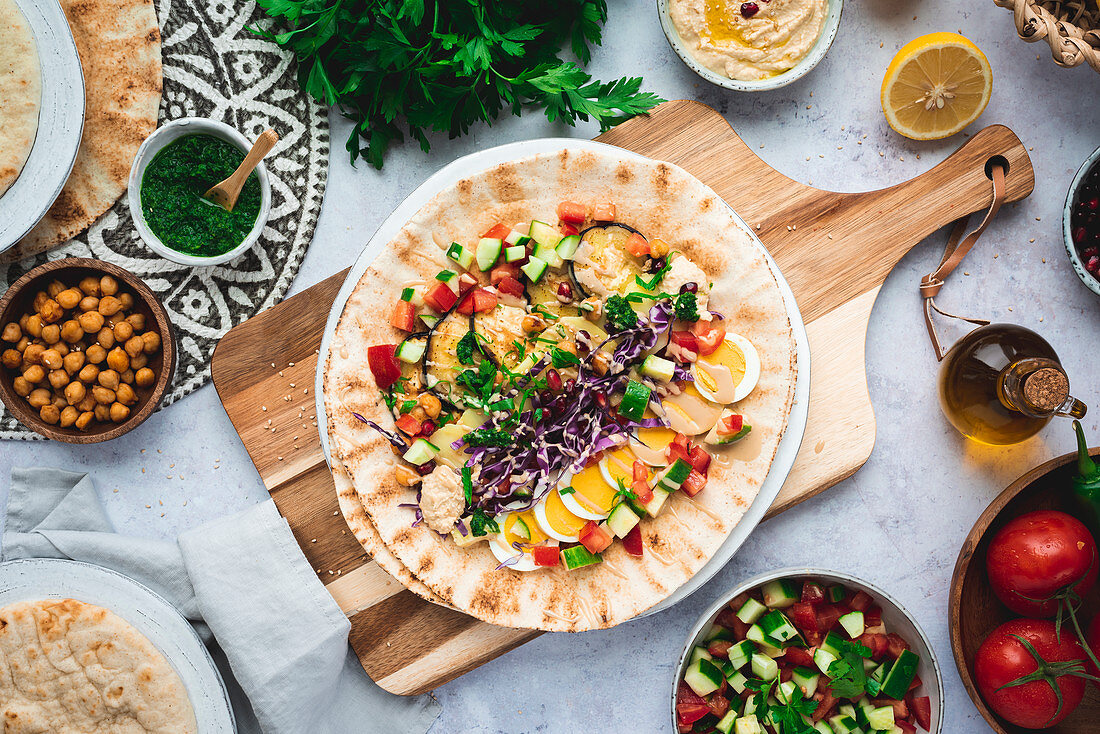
column 67, row 667
column 119, row 46
column 20, row 92
column 659, row 199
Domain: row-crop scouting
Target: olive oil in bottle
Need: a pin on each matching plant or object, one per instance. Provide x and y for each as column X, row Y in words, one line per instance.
column 1001, row 384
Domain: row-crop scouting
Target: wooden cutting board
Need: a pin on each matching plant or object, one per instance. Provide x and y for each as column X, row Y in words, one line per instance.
column 835, row 251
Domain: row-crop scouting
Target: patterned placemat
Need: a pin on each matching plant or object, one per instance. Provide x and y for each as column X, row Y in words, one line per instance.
column 215, row 67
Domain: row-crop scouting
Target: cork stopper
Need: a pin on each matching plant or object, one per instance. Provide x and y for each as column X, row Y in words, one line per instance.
column 1046, row 389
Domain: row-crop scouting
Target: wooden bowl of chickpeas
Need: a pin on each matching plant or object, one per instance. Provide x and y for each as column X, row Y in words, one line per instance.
column 86, row 350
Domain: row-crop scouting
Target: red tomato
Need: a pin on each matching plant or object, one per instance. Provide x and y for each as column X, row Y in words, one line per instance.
column 382, row 360
column 498, row 232
column 510, row 287
column 571, row 212
column 637, row 245
column 895, row 645
column 466, row 282
column 812, row 592
column 640, row 485
column 478, row 301
column 727, row 617
column 678, row 449
column 1002, row 659
column 594, row 538
column 440, row 297
column 709, row 336
column 799, row 656
column 699, row 458
column 694, row 483
column 731, row 424
column 408, row 424
column 404, row 316
column 827, row 615
column 804, row 616
column 720, row 648
column 500, row 271
column 860, row 601
column 632, row 543
column 682, row 728
column 826, row 702
column 689, row 713
column 719, row 705
column 922, row 711
column 545, row 555
column 603, row 213
column 873, row 616
column 1037, row 556
column 568, row 229
column 901, row 710
column 905, row 727
column 686, row 345
column 684, row 695
column 876, row 643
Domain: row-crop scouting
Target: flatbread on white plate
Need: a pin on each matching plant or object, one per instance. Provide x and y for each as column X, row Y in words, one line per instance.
column 20, row 92
column 660, row 200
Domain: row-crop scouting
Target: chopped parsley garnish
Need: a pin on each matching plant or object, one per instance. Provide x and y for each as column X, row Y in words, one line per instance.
column 546, row 313
column 566, row 490
column 624, row 492
column 407, row 405
column 480, row 523
column 652, row 282
column 619, row 313
column 488, row 437
column 686, row 308
column 465, row 348
column 849, row 679
column 788, row 716
column 468, row 484
column 481, row 381
column 561, row 358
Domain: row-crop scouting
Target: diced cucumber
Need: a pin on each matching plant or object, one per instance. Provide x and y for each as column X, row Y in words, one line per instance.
column 806, row 679
column 516, row 238
column 511, row 254
column 852, row 622
column 673, row 476
column 763, row 667
column 879, row 673
column 534, row 268
column 635, row 400
column 832, row 644
column 748, row 724
column 430, row 320
column 781, row 593
column 450, row 278
column 769, row 645
column 725, row 667
column 622, row 520
column 653, row 507
column 567, row 248
column 550, row 255
column 862, row 710
column 488, row 250
column 699, row 653
column 658, row 368
column 822, row 728
column 520, row 529
column 718, row 632
column 421, row 452
column 823, row 659
column 544, row 234
column 738, row 682
column 897, row 681
column 741, row 653
column 577, row 557
column 785, row 692
column 847, row 709
column 750, row 706
column 411, row 350
column 726, row 723
column 835, row 594
column 776, row 625
column 881, row 719
column 464, row 256
column 703, row 677
column 869, row 664
column 843, row 724
column 751, row 611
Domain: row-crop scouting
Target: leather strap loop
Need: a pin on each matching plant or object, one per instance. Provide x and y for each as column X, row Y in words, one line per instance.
column 957, row 248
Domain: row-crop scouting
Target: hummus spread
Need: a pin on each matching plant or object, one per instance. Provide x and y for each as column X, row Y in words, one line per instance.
column 442, row 499
column 683, row 271
column 748, row 40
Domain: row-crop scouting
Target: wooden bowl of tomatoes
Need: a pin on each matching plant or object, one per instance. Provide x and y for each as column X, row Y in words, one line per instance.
column 1028, row 556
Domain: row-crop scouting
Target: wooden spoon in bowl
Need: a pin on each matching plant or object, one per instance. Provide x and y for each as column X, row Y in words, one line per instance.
column 225, row 193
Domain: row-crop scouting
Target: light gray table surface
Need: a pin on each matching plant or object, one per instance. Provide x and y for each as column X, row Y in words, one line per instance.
column 898, row 522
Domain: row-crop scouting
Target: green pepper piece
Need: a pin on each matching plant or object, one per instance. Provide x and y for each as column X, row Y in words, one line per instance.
column 1086, row 485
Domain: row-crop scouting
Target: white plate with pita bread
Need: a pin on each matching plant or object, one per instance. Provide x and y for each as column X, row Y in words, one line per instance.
column 163, row 680
column 42, row 118
column 788, row 443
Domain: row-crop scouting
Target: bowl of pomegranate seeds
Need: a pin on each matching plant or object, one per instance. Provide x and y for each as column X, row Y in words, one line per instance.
column 1081, row 222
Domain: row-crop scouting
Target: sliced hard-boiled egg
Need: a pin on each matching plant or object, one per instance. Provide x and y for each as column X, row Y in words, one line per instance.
column 689, row 412
column 582, row 507
column 556, row 520
column 730, row 373
column 505, row 553
column 521, row 527
column 649, row 444
column 618, row 466
column 590, row 493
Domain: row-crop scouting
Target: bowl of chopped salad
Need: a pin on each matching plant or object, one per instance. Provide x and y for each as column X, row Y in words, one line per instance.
column 807, row 651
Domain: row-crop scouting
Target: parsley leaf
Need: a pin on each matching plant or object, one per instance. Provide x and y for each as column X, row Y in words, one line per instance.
column 561, row 358
column 619, row 313
column 480, row 523
column 686, row 308
column 465, row 348
column 488, row 437
column 849, row 679
column 789, row 715
column 652, row 282
column 407, row 405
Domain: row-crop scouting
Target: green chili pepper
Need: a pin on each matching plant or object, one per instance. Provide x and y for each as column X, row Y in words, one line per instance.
column 1086, row 485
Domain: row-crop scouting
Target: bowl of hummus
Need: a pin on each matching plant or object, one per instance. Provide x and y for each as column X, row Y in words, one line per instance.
column 750, row 45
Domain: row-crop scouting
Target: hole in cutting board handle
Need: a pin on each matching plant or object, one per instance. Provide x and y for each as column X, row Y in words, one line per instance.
column 995, row 160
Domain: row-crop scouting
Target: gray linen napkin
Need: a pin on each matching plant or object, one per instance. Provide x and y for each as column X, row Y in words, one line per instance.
column 278, row 637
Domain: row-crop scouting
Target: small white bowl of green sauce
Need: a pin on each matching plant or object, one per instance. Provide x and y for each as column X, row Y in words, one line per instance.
column 167, row 180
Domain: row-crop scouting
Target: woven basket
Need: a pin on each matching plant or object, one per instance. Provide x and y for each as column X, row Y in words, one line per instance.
column 1070, row 27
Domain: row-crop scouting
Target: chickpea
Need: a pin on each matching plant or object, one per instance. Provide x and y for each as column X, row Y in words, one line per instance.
column 139, row 361
column 84, row 420
column 22, row 344
column 106, row 338
column 127, row 377
column 33, row 327
column 119, row 412
column 68, row 417
column 109, row 379
column 12, row 333
column 58, row 378
column 55, row 287
column 103, row 395
column 89, row 303
column 39, row 397
column 430, row 403
column 95, row 354
column 62, row 348
column 109, row 306
column 40, row 299
column 532, row 323
column 108, row 286
column 69, row 299
column 21, row 386
column 91, row 321
column 71, row 331
column 123, row 331
column 87, row 404
column 134, row 346
column 88, row 374
column 126, row 395
column 51, row 333
column 52, row 358
column 117, row 359
column 658, row 248
column 406, row 477
column 33, row 354
column 51, row 311
column 144, row 377
column 151, row 341
column 72, row 362
column 75, row 392
column 59, row 402
column 50, row 414
column 90, row 286
column 600, row 362
column 11, row 359
column 34, row 373
column 102, row 413
column 137, row 320
column 113, row 321
column 127, row 301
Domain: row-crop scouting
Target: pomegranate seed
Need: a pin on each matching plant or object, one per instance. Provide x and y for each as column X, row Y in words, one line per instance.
column 570, row 384
column 1093, row 265
column 1093, row 203
column 1090, row 252
column 1079, row 235
column 689, row 288
column 565, row 292
column 601, row 400
column 425, row 468
column 553, row 379
column 427, row 428
column 749, row 9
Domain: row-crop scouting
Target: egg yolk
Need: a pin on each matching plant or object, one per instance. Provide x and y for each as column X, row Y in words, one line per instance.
column 591, row 491
column 729, row 356
column 560, row 518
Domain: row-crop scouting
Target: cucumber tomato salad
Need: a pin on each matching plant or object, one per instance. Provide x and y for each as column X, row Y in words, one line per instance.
column 557, row 384
column 799, row 657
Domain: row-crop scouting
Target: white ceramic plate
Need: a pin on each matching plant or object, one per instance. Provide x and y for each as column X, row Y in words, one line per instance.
column 48, row 578
column 60, row 123
column 463, row 167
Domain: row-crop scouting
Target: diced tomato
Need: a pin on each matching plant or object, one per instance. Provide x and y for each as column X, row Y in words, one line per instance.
column 604, row 212
column 738, row 601
column 799, row 656
column 873, row 616
column 719, row 705
column 637, row 245
column 466, row 282
column 709, row 336
column 503, row 270
column 860, row 601
column 876, row 643
column 382, row 359
column 640, row 485
column 571, row 212
column 440, row 297
column 915, row 683
column 498, row 232
column 719, row 648
column 683, row 728
column 896, row 644
column 689, row 713
column 478, row 301
column 812, row 637
column 684, row 346
column 730, row 425
column 826, row 702
column 901, row 711
column 905, row 727
column 785, row 672
column 568, row 229
column 726, row 618
column 827, row 615
column 407, row 424
column 510, row 287
column 804, row 616
column 694, row 483
column 684, row 695
column 699, row 459
column 545, row 555
column 678, row 449
column 404, row 316
column 594, row 538
column 922, row 712
column 812, row 592
column 632, row 543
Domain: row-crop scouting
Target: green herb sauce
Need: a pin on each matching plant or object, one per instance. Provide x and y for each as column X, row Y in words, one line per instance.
column 171, row 196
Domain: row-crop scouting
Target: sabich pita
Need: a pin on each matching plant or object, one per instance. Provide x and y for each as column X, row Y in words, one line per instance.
column 20, row 92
